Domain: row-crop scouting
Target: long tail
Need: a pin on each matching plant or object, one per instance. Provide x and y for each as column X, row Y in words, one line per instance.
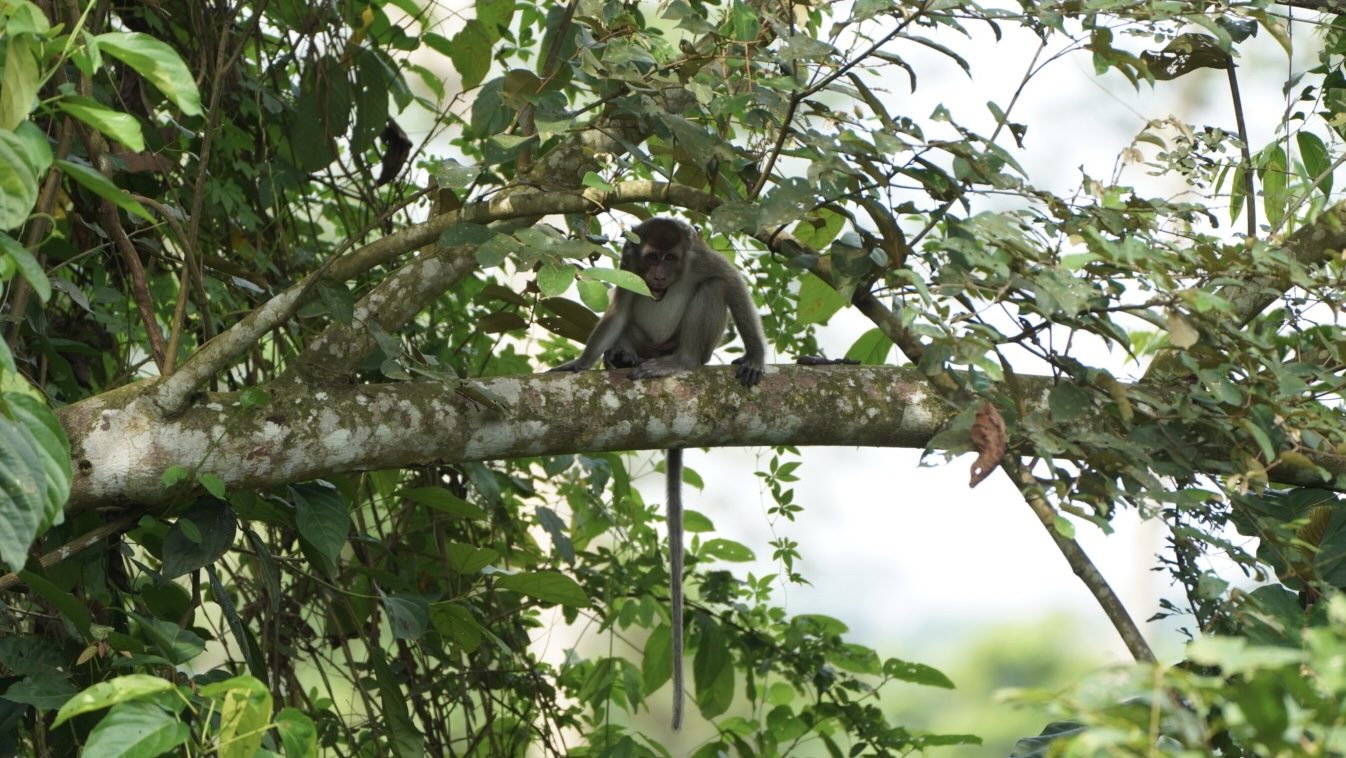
column 673, row 469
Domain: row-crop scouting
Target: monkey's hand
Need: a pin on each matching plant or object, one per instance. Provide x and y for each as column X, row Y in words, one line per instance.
column 749, row 371
column 567, row 366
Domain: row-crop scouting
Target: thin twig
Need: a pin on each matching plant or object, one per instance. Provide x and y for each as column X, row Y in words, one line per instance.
column 73, row 547
column 1247, row 155
column 139, row 290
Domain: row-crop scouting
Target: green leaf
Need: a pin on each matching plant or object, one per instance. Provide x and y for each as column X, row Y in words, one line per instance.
column 44, row 693
column 28, row 266
column 34, row 474
column 134, row 730
column 1317, row 161
column 407, row 741
column 121, row 127
column 99, row 185
column 547, row 586
column 213, row 525
column 656, row 666
column 213, row 484
column 65, row 603
column 173, row 642
column 593, row 294
column 456, row 622
column 322, row 519
column 408, row 615
column 470, row 51
column 817, row 300
column 871, row 348
column 52, row 449
column 916, row 673
column 1274, row 174
column 1068, row 402
column 554, row 278
column 245, row 713
column 298, row 733
column 111, row 692
column 18, row 88
column 469, row 559
column 18, row 181
column 173, row 474
column 712, row 670
column 627, row 280
column 726, row 550
column 443, row 500
column 596, row 182
column 157, row 62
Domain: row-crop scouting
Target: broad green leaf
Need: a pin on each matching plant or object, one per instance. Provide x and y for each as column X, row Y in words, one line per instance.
column 470, row 51
column 593, row 294
column 25, row 502
column 45, row 693
column 199, row 537
column 27, row 265
column 408, row 615
column 138, row 730
column 18, row 87
column 1317, row 161
column 119, row 126
column 817, row 300
column 52, row 449
column 245, row 712
column 443, row 500
column 712, row 670
column 18, row 181
column 1068, row 402
column 322, row 519
column 726, row 550
column 72, row 608
column 407, row 741
column 173, row 642
column 871, row 348
column 157, row 62
column 916, row 673
column 547, row 586
column 298, row 733
column 1274, row 175
column 656, row 665
column 628, row 280
column 456, row 622
column 99, row 185
column 469, row 559
column 111, row 692
column 554, row 278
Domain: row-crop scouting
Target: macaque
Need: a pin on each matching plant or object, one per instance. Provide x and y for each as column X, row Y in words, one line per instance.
column 676, row 329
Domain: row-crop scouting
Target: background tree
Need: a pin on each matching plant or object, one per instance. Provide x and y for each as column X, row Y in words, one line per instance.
column 277, row 474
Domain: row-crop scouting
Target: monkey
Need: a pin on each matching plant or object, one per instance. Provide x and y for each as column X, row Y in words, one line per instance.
column 692, row 290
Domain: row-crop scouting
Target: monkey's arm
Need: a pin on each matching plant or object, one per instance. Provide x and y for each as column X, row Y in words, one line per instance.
column 749, row 326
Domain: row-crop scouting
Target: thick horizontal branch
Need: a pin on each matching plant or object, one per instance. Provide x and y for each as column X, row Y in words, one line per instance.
column 121, row 450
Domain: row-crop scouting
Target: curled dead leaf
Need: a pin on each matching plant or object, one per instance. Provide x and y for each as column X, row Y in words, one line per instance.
column 988, row 437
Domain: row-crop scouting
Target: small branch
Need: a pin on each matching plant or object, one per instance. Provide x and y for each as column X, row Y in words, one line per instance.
column 136, row 272
column 73, row 547
column 1080, row 563
column 1244, row 151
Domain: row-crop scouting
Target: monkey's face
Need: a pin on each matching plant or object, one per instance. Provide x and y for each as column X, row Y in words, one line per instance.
column 659, row 268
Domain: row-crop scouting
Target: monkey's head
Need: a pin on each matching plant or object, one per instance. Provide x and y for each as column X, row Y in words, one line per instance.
column 660, row 254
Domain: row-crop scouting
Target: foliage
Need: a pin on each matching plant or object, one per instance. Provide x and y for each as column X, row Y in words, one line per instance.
column 189, row 203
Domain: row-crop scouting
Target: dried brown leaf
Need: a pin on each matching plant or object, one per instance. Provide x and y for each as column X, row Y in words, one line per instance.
column 988, row 436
